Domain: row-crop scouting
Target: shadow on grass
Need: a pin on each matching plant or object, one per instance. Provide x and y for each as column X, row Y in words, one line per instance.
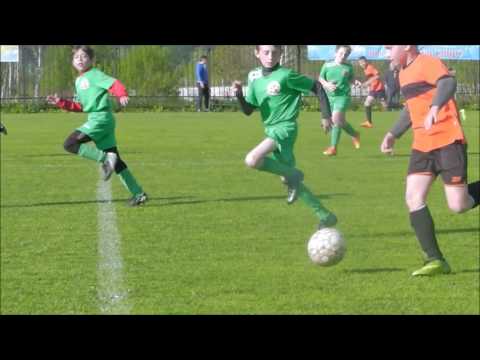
column 411, row 233
column 57, row 203
column 159, row 201
column 468, row 271
column 239, row 199
column 372, row 271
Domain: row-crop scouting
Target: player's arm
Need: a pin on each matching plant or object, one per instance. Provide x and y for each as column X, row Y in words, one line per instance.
column 64, row 104
column 318, row 90
column 446, row 87
column 247, row 109
column 323, row 80
column 119, row 90
column 399, row 128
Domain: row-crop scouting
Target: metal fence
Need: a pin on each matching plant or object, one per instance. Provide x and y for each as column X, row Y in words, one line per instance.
column 20, row 83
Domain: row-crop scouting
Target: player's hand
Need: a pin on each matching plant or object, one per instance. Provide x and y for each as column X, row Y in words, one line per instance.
column 358, row 83
column 123, row 100
column 431, row 117
column 326, row 125
column 329, row 86
column 53, row 99
column 202, row 85
column 387, row 144
column 237, row 88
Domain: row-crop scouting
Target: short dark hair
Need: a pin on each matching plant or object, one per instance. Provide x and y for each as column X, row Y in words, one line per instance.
column 85, row 48
column 348, row 48
column 277, row 46
column 203, row 57
column 362, row 58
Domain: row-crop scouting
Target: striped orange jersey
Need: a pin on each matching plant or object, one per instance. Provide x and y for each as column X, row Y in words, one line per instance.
column 369, row 72
column 418, row 83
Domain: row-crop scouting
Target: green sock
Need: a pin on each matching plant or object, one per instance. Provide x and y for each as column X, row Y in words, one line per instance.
column 128, row 180
column 335, row 136
column 276, row 167
column 349, row 129
column 89, row 152
column 312, row 201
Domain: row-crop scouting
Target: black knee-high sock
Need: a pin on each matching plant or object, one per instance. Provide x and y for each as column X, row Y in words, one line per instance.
column 368, row 113
column 422, row 222
column 474, row 191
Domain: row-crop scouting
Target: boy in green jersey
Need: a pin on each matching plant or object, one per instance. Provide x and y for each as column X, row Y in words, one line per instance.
column 276, row 91
column 337, row 77
column 92, row 94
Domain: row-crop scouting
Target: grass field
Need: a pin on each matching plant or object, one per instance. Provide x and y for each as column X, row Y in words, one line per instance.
column 216, row 237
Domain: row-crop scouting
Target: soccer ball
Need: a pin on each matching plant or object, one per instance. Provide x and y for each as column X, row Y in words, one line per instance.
column 326, row 247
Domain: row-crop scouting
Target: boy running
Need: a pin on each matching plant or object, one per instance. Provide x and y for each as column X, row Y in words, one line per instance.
column 277, row 92
column 337, row 77
column 376, row 90
column 439, row 146
column 92, row 91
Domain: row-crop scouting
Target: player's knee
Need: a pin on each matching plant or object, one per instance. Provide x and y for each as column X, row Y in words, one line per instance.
column 458, row 207
column 71, row 146
column 252, row 161
column 414, row 202
column 120, row 166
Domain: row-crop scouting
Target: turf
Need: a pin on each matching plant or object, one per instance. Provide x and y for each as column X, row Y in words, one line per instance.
column 216, row 237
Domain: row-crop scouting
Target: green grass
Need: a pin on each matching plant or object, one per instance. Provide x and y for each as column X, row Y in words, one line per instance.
column 216, row 237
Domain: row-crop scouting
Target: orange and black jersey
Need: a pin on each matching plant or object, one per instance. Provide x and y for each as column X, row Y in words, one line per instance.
column 370, row 71
column 418, row 83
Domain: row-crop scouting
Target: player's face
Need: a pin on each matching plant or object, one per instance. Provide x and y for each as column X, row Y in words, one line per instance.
column 341, row 55
column 269, row 55
column 362, row 63
column 397, row 54
column 81, row 61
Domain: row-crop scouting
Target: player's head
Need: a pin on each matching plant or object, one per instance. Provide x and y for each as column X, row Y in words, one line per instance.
column 203, row 59
column 342, row 52
column 83, row 56
column 269, row 55
column 401, row 55
column 362, row 61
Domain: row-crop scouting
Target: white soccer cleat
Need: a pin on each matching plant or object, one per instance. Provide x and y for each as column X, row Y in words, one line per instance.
column 108, row 165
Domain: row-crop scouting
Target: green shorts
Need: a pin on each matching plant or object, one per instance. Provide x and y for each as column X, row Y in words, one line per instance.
column 285, row 135
column 100, row 127
column 339, row 103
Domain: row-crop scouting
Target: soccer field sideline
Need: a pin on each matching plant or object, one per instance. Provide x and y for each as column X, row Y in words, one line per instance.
column 217, row 237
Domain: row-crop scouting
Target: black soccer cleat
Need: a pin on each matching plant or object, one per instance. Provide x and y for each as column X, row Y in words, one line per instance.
column 3, row 129
column 138, row 200
column 293, row 184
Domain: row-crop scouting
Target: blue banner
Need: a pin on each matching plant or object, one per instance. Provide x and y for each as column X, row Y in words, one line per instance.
column 378, row 52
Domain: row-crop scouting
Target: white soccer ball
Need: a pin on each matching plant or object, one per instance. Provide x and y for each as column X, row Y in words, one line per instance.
column 326, row 247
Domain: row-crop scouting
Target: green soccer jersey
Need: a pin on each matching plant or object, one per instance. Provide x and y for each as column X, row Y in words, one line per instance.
column 92, row 91
column 278, row 94
column 341, row 75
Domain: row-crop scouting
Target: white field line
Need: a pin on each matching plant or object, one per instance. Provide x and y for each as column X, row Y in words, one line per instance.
column 112, row 294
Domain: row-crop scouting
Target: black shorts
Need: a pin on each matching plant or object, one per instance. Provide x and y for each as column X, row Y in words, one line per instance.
column 449, row 161
column 377, row 94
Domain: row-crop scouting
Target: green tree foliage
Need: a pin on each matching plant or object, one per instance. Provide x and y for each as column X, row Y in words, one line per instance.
column 149, row 71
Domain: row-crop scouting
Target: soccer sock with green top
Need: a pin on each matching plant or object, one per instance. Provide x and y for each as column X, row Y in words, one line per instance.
column 276, row 167
column 422, row 222
column 313, row 202
column 335, row 136
column 130, row 183
column 368, row 113
column 349, row 129
column 91, row 153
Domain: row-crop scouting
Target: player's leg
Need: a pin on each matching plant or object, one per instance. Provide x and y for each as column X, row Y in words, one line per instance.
column 3, row 129
column 139, row 197
column 461, row 196
column 368, row 112
column 199, row 98
column 207, row 97
column 421, row 221
column 76, row 144
column 338, row 123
